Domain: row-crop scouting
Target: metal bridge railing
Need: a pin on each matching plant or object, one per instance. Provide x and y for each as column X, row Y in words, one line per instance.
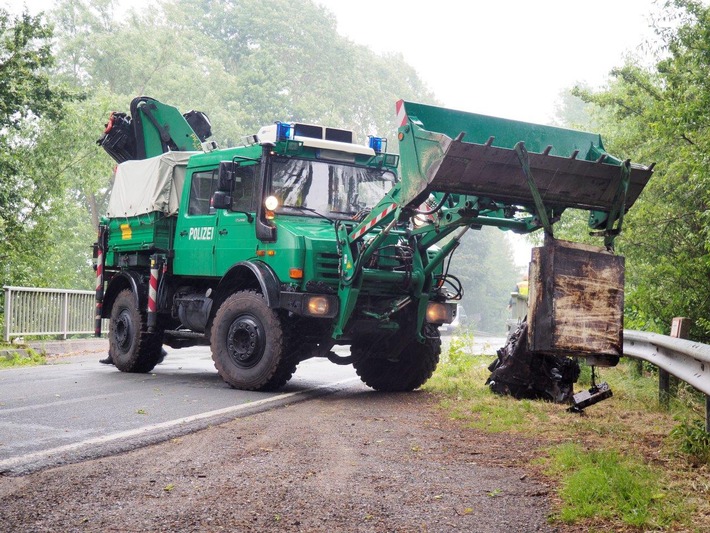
column 61, row 312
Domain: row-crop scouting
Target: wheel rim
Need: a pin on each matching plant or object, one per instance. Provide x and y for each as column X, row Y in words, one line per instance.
column 246, row 341
column 123, row 331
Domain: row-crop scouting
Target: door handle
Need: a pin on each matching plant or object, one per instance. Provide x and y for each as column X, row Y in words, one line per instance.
column 183, row 233
column 223, row 232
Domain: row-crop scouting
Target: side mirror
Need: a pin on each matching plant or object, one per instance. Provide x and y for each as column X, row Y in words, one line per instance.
column 221, row 199
column 225, row 182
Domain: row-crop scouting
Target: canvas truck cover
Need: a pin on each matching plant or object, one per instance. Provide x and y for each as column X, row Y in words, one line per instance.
column 148, row 185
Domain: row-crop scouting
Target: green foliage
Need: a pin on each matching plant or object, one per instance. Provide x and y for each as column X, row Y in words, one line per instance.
column 462, row 376
column 693, row 440
column 585, row 374
column 603, row 484
column 573, row 112
column 15, row 359
column 25, row 88
column 459, row 373
column 28, row 102
column 456, row 361
column 660, row 114
column 245, row 63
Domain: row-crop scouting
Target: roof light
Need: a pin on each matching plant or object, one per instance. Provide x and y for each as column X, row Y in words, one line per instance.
column 284, row 131
column 307, row 130
column 378, row 144
column 341, row 136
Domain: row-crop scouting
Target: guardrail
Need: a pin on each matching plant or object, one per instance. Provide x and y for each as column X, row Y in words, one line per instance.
column 685, row 359
column 61, row 312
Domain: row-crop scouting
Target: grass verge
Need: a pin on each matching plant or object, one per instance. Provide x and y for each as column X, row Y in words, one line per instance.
column 15, row 358
column 625, row 465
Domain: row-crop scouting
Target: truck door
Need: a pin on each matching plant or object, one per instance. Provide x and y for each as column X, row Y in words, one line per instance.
column 236, row 236
column 196, row 226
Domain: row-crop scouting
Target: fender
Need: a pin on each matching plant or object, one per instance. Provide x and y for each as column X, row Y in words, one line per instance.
column 249, row 275
column 125, row 279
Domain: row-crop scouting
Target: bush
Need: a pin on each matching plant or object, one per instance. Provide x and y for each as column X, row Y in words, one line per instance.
column 693, row 440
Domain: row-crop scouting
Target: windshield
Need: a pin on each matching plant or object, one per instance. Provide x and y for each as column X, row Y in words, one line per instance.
column 327, row 187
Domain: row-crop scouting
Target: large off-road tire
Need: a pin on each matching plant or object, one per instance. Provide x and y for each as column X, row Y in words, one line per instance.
column 414, row 366
column 248, row 345
column 131, row 347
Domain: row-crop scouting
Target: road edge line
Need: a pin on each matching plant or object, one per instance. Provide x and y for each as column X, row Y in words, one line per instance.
column 24, row 464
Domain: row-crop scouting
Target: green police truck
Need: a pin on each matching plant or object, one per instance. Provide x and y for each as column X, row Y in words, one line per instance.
column 300, row 239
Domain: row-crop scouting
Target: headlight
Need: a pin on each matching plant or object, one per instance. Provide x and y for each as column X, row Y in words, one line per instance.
column 318, row 306
column 440, row 313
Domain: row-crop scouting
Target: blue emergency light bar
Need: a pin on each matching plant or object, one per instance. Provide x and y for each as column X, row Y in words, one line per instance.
column 378, row 144
column 283, row 131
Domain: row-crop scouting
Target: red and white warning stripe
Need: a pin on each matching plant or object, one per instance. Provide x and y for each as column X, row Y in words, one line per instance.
column 99, row 273
column 386, row 211
column 99, row 291
column 401, row 113
column 153, row 289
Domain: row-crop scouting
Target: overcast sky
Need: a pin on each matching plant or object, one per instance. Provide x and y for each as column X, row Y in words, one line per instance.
column 509, row 58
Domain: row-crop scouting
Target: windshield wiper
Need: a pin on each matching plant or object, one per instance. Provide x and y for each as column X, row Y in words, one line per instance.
column 310, row 210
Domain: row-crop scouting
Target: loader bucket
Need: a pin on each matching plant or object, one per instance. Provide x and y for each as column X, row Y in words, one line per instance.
column 466, row 153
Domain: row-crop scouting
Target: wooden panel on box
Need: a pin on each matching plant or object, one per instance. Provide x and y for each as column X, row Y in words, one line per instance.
column 576, row 301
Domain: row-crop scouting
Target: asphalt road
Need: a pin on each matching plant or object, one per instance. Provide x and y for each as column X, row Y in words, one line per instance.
column 77, row 408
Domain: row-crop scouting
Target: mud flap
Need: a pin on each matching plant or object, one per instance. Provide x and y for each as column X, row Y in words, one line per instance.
column 520, row 373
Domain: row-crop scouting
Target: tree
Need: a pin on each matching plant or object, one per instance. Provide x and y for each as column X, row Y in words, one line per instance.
column 661, row 113
column 571, row 111
column 484, row 265
column 27, row 98
column 25, row 89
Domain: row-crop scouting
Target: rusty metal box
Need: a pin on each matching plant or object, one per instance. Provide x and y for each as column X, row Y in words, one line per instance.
column 576, row 302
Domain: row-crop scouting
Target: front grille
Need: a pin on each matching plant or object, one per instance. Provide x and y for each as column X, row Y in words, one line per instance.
column 326, row 268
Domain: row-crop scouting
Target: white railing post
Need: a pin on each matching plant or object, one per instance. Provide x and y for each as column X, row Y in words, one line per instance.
column 65, row 314
column 8, row 312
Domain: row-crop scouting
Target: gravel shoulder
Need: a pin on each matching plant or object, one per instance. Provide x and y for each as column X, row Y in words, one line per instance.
column 352, row 461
